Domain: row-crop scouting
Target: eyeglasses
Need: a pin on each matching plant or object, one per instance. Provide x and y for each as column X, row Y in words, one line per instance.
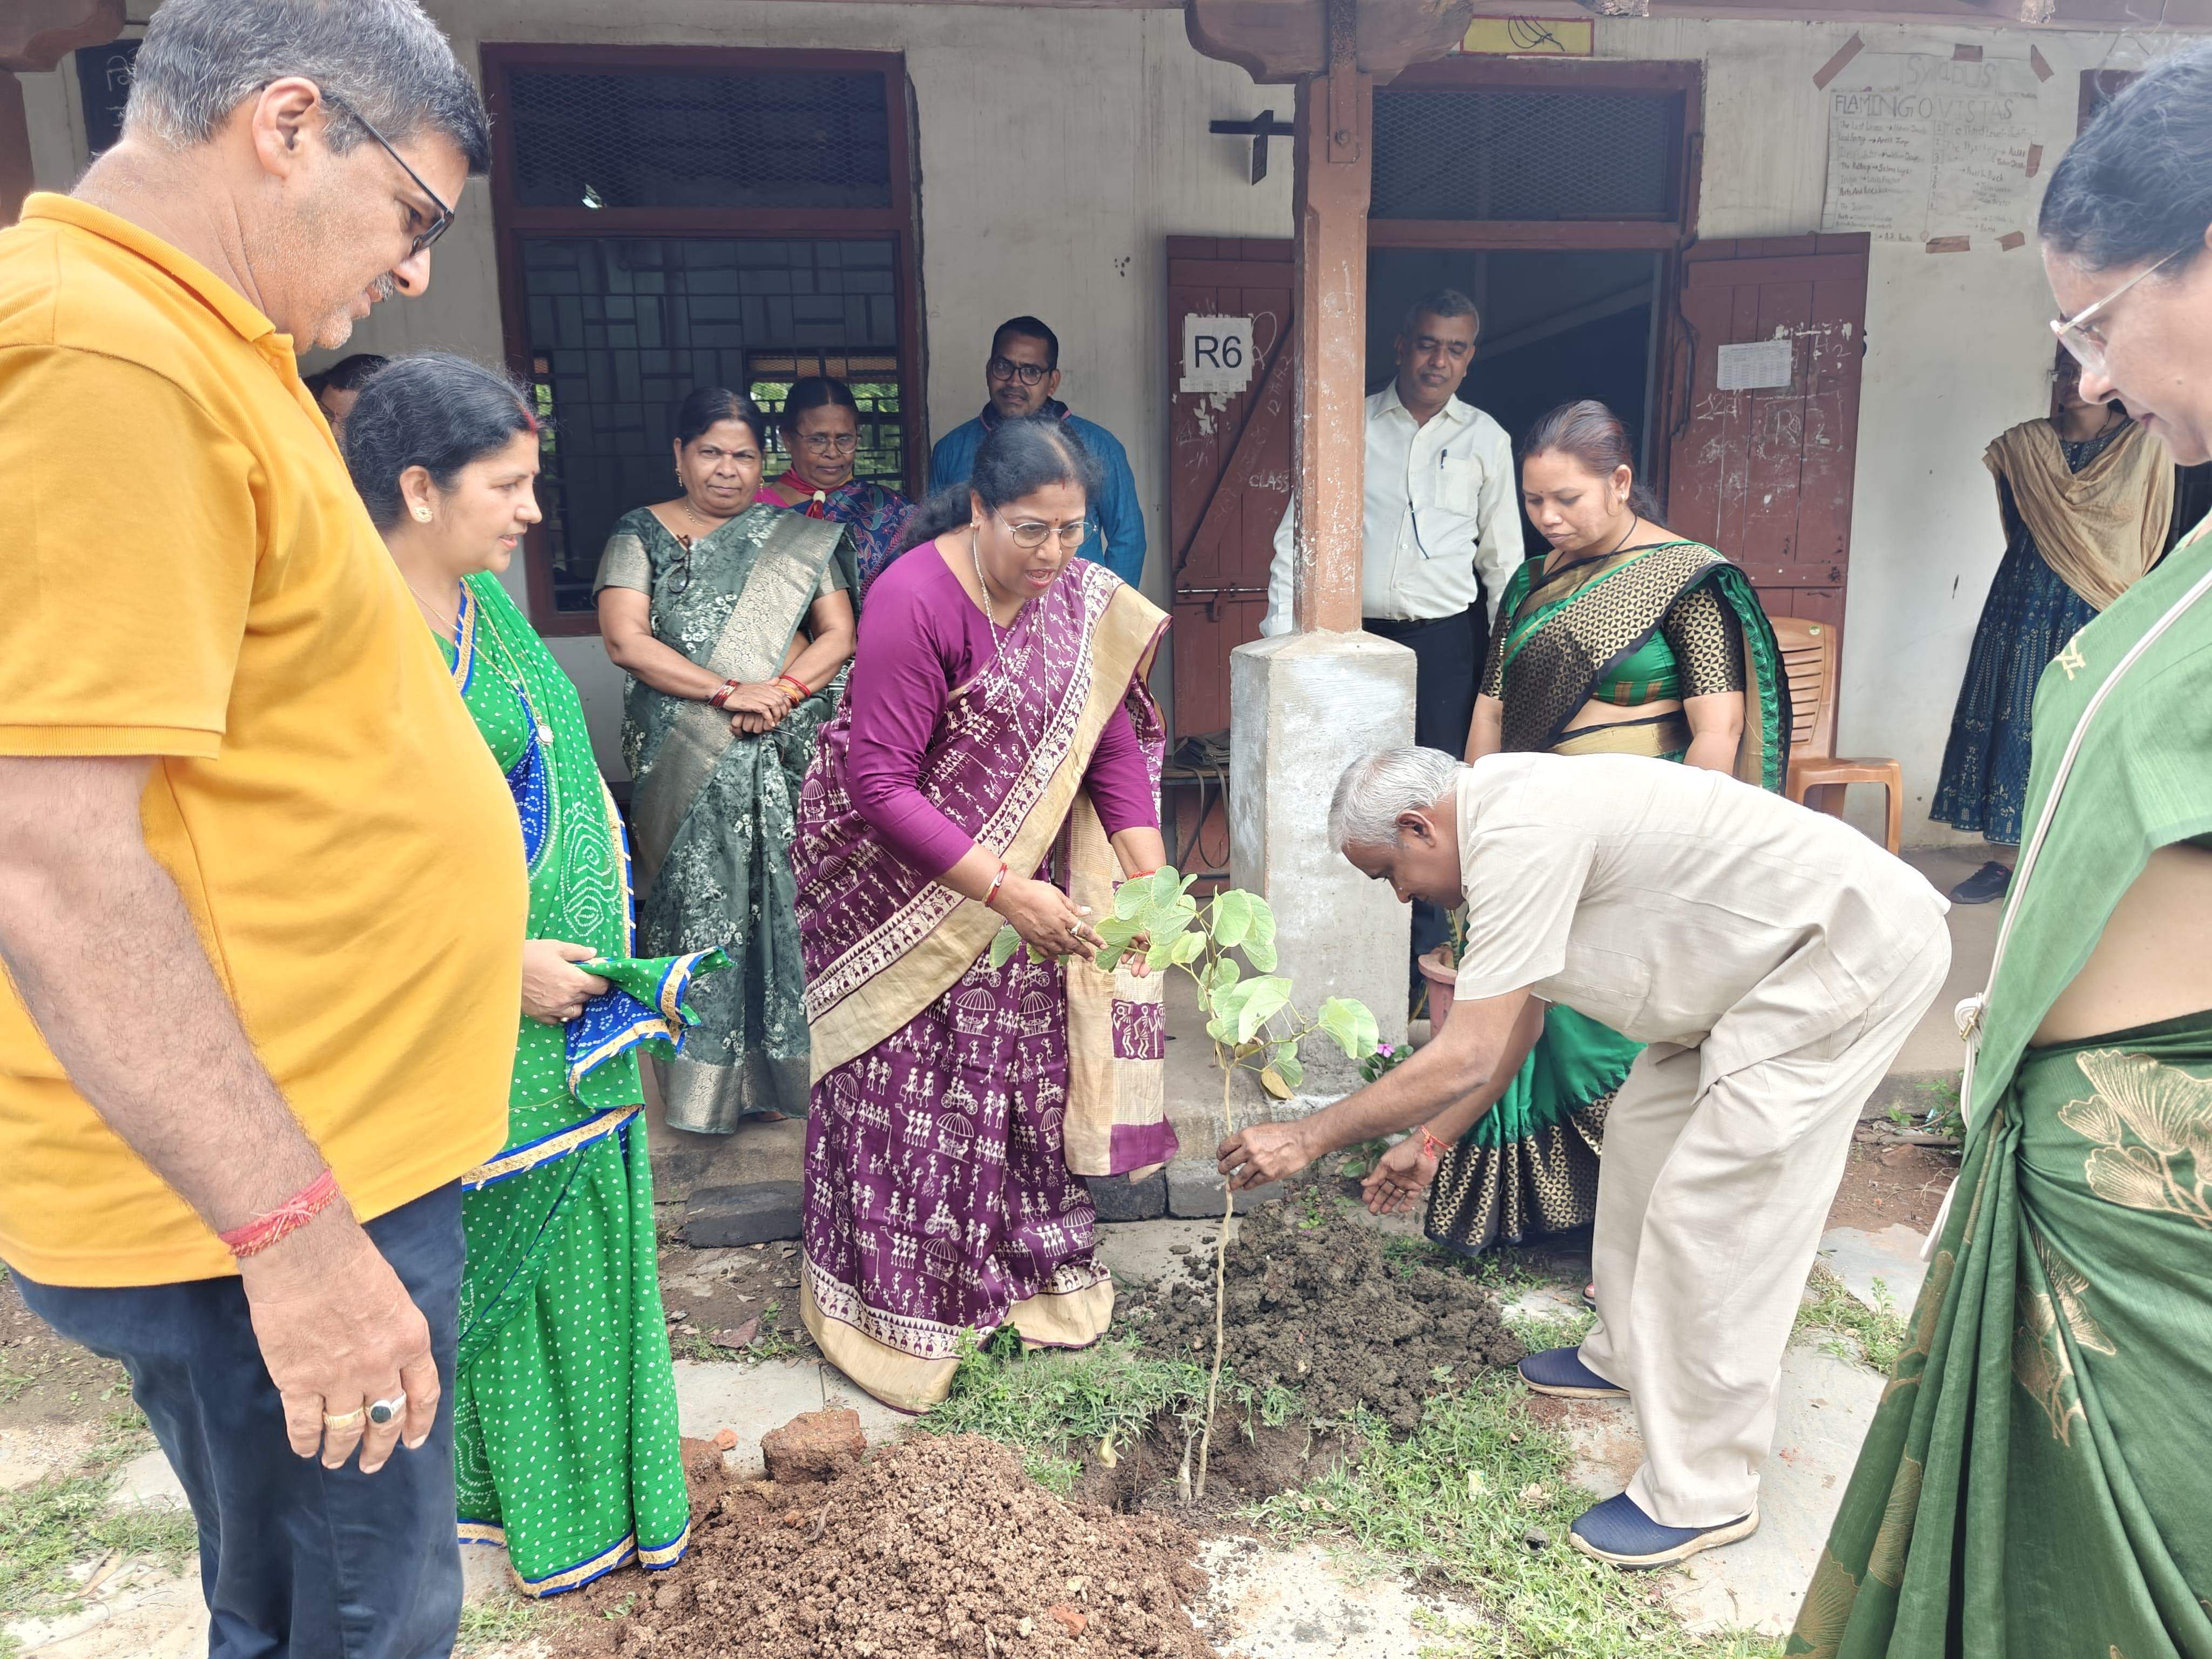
column 424, row 238
column 1004, row 368
column 1031, row 535
column 2087, row 344
column 832, row 443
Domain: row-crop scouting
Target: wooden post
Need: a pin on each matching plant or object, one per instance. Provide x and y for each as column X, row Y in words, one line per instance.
column 1335, row 150
column 16, row 180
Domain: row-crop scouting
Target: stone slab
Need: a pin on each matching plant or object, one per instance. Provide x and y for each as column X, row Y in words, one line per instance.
column 755, row 1212
column 149, row 1482
column 1119, row 1198
column 1195, row 1190
column 1148, row 1251
column 1890, row 1258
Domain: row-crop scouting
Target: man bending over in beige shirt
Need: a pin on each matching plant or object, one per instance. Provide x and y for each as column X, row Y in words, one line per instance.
column 1773, row 958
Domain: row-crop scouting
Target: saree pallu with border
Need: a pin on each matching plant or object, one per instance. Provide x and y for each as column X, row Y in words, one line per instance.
column 1529, row 1165
column 958, row 1106
column 714, row 811
column 565, row 1445
column 2033, row 1482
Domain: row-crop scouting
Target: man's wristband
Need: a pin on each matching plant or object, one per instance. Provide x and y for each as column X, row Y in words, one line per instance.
column 287, row 1218
column 1431, row 1146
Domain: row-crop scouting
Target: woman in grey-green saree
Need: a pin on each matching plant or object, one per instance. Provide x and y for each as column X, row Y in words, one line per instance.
column 734, row 621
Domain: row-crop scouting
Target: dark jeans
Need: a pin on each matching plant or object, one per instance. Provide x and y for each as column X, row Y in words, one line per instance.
column 296, row 1561
column 1448, row 657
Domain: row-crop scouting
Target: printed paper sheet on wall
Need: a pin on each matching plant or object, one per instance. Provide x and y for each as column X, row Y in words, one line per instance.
column 1921, row 147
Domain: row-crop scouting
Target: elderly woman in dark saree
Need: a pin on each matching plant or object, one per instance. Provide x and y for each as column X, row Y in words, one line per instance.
column 734, row 621
column 821, row 427
column 564, row 1409
column 2034, row 1481
column 997, row 763
column 1622, row 639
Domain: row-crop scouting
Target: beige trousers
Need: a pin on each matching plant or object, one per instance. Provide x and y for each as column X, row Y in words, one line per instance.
column 1713, row 1195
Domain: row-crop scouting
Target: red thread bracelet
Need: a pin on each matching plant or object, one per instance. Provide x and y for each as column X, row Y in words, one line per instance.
column 287, row 1218
column 1431, row 1146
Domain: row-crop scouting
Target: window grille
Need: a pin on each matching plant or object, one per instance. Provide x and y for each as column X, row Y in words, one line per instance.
column 621, row 328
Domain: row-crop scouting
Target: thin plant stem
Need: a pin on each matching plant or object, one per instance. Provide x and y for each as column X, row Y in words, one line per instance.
column 1220, row 1273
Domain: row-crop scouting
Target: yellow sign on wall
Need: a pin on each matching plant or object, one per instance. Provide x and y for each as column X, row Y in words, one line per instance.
column 1531, row 37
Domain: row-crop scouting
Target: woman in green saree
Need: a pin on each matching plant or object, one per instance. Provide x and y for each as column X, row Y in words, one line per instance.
column 564, row 1401
column 2034, row 1480
column 1622, row 639
column 702, row 599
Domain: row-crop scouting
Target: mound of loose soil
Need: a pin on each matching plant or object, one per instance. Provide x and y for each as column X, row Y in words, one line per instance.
column 1314, row 1305
column 933, row 1548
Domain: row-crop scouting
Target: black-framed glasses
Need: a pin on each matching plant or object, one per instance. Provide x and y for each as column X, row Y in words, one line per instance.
column 1004, row 368
column 1029, row 534
column 832, row 443
column 424, row 238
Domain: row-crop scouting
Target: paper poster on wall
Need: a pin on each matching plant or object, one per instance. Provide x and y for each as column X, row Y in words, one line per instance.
column 1922, row 147
column 1756, row 366
column 1217, row 355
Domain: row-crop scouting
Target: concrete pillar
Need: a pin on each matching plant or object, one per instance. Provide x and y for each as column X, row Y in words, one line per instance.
column 1303, row 706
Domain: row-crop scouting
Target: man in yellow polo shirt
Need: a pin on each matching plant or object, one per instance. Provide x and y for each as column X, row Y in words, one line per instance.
column 261, row 896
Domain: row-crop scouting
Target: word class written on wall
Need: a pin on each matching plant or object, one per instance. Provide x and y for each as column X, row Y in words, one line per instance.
column 1933, row 150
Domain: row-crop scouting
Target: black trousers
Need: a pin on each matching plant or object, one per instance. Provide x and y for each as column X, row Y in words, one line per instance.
column 296, row 1560
column 1447, row 659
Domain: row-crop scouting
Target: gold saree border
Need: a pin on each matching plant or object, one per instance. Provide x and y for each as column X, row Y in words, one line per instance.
column 909, row 1384
column 1123, row 648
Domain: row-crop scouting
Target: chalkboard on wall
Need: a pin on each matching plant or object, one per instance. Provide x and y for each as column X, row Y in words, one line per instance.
column 104, row 74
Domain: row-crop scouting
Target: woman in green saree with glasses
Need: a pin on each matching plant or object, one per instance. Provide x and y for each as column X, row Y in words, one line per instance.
column 564, row 1402
column 2033, row 1483
column 1621, row 639
column 734, row 621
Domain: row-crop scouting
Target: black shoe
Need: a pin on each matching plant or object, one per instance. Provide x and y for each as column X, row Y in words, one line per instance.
column 1985, row 885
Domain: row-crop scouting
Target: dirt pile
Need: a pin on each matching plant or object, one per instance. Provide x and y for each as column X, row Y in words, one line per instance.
column 934, row 1548
column 1315, row 1305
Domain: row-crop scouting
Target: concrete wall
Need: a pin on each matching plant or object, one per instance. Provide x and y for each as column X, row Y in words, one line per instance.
column 1058, row 148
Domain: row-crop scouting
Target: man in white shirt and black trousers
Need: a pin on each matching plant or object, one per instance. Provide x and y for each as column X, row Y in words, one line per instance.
column 1442, row 532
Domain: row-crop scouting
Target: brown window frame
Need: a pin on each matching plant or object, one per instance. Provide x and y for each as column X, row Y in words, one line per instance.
column 512, row 223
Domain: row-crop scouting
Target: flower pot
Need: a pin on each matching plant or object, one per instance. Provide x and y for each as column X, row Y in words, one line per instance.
column 1442, row 981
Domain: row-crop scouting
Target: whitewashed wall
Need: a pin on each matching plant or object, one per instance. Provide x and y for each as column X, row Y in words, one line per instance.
column 1058, row 148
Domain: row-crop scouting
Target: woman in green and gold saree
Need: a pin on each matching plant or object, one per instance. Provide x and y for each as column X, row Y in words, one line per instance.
column 564, row 1402
column 1621, row 639
column 702, row 600
column 2034, row 1483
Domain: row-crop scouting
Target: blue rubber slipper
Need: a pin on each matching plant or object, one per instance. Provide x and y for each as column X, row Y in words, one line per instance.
column 1618, row 1532
column 1560, row 1371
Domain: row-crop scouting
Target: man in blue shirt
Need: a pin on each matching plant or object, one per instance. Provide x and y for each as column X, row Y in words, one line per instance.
column 1022, row 375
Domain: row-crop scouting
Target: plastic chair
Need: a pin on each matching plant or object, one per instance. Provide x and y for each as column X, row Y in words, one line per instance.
column 1817, row 775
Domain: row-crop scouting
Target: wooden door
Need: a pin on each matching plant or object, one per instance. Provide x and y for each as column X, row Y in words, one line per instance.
column 1229, row 465
column 1766, row 474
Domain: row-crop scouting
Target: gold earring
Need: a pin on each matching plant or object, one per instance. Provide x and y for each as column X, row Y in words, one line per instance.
column 423, row 513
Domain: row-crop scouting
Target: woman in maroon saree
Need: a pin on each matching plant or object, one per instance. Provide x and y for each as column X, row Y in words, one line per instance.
column 997, row 760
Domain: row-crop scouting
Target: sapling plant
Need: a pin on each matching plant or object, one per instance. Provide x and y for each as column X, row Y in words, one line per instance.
column 1251, row 1020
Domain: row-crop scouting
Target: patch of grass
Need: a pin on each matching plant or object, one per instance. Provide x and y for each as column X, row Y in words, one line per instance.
column 1060, row 1409
column 1939, row 1114
column 1482, row 1494
column 487, row 1624
column 772, row 1341
column 52, row 1525
column 1850, row 1328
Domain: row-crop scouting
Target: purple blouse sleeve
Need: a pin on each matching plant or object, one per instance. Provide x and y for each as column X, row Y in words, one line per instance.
column 899, row 684
column 1120, row 783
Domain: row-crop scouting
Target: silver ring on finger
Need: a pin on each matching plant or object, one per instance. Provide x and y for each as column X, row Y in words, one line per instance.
column 381, row 1412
